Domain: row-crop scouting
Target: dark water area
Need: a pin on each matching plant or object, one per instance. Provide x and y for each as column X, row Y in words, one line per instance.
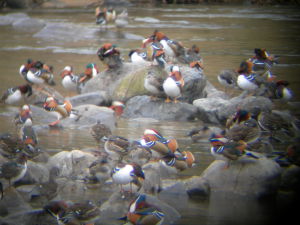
column 226, row 36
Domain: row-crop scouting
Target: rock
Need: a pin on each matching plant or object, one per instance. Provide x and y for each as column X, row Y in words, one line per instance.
column 71, row 164
column 94, row 98
column 216, row 110
column 197, row 187
column 142, row 106
column 41, row 93
column 88, row 115
column 256, row 178
column 36, row 173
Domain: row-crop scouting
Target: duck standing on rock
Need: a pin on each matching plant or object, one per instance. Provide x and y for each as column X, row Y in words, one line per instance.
column 61, row 110
column 110, row 55
column 69, row 80
column 16, row 94
column 39, row 73
column 228, row 79
column 28, row 137
column 13, row 171
column 91, row 71
column 142, row 213
column 173, row 84
column 124, row 174
column 154, row 85
column 246, row 79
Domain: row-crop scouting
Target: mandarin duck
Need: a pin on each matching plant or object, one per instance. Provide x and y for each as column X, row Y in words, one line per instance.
column 142, row 213
column 280, row 90
column 100, row 130
column 61, row 110
column 118, row 107
column 116, row 146
column 124, row 174
column 110, row 55
column 173, row 84
column 16, row 94
column 239, row 117
column 246, row 79
column 248, row 131
column 193, row 54
column 222, row 148
column 202, row 133
column 91, row 71
column 137, row 56
column 171, row 48
column 28, row 137
column 25, row 68
column 228, row 79
column 158, row 54
column 154, row 85
column 55, row 208
column 280, row 127
column 104, row 16
column 13, row 171
column 69, row 80
column 40, row 73
column 197, row 65
column 262, row 60
column 10, row 145
column 79, row 213
column 23, row 115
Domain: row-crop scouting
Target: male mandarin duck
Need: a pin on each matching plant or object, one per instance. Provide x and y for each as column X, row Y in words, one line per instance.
column 110, row 55
column 197, row 64
column 90, row 72
column 16, row 94
column 105, row 16
column 69, row 80
column 40, row 73
column 173, row 84
column 158, row 54
column 240, row 116
column 140, row 212
column 118, row 107
column 13, row 170
column 279, row 90
column 124, row 174
column 262, row 60
column 137, row 56
column 61, row 110
column 79, row 213
column 28, row 137
column 23, row 115
column 246, row 79
column 229, row 150
column 154, row 85
column 25, row 68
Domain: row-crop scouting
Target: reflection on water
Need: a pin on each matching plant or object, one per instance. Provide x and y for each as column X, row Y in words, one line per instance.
column 226, row 35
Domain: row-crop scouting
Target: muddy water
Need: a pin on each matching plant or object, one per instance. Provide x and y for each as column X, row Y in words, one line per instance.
column 226, row 35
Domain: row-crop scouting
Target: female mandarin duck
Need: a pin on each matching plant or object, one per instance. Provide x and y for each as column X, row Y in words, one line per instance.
column 13, row 171
column 99, row 131
column 137, row 56
column 228, row 79
column 154, row 85
column 116, row 145
column 23, row 115
column 173, row 84
column 140, row 212
column 16, row 94
column 40, row 73
column 69, row 80
column 203, row 133
column 61, row 110
column 124, row 174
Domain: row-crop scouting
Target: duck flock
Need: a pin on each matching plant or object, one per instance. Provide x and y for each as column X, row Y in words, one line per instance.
column 246, row 133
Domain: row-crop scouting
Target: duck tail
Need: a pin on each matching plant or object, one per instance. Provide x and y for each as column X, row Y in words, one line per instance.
column 250, row 154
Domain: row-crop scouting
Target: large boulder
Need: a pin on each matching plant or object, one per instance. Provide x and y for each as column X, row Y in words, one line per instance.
column 256, row 178
column 94, row 98
column 217, row 109
column 142, row 106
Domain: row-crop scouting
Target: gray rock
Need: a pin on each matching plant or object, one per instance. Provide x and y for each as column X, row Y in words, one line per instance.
column 142, row 106
column 93, row 98
column 246, row 177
